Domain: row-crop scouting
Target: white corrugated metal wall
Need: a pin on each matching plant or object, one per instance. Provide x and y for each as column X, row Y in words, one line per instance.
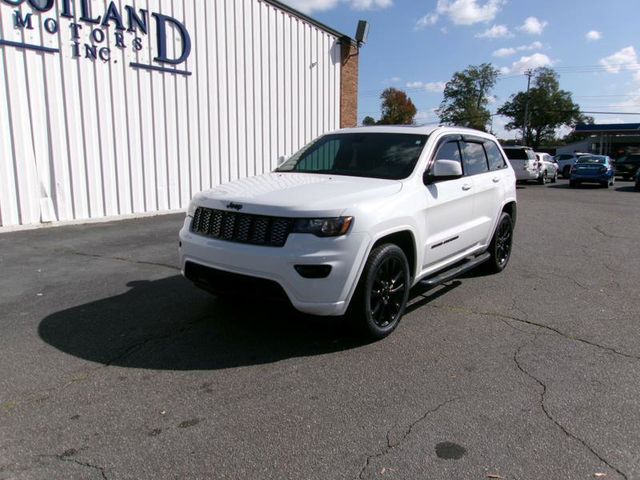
column 83, row 138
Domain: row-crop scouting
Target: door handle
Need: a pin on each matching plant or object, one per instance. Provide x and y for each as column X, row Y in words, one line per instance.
column 466, row 187
column 496, row 179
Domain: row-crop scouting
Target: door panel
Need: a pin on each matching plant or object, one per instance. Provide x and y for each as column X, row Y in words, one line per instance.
column 449, row 212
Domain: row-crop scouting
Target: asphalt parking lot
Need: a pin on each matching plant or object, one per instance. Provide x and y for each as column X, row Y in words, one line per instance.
column 114, row 367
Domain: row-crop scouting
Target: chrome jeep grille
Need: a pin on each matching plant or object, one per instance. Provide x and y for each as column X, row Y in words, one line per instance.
column 241, row 227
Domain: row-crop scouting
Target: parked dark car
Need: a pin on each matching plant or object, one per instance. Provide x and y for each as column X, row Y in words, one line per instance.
column 593, row 169
column 627, row 166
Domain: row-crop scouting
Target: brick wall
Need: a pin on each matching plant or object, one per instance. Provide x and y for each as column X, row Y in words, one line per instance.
column 349, row 86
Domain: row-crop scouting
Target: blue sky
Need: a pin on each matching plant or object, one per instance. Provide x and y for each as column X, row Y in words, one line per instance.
column 416, row 45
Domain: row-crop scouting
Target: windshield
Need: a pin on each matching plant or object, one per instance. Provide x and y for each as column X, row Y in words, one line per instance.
column 376, row 155
column 592, row 160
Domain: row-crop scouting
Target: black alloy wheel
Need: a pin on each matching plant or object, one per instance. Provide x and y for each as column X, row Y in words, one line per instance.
column 501, row 244
column 383, row 291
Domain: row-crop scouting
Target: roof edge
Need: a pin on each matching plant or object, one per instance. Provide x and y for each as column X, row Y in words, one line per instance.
column 341, row 36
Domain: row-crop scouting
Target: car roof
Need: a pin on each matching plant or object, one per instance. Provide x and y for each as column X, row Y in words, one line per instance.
column 517, row 147
column 416, row 130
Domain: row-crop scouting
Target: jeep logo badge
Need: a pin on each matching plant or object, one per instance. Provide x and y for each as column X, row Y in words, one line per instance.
column 234, row 206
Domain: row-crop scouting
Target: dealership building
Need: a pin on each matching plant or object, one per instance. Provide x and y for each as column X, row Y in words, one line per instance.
column 128, row 107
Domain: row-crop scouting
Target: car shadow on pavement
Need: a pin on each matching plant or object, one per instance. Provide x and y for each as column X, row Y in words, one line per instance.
column 170, row 325
column 627, row 189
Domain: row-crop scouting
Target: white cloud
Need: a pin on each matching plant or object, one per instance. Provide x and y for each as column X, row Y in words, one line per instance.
column 504, row 52
column 468, row 12
column 507, row 52
column 388, row 81
column 532, row 62
column 593, row 35
column 533, row 26
column 624, row 59
column 370, row 4
column 433, row 87
column 309, row 6
column 425, row 116
column 497, row 31
column 427, row 21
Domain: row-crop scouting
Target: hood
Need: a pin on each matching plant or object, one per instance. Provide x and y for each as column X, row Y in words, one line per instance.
column 294, row 194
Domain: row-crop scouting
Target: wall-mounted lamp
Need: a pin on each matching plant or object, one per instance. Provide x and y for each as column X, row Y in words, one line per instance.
column 362, row 33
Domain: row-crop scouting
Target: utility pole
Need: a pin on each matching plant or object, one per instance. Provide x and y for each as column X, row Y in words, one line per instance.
column 529, row 74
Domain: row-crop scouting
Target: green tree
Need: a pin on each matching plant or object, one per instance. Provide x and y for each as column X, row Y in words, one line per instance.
column 549, row 109
column 467, row 95
column 368, row 121
column 397, row 108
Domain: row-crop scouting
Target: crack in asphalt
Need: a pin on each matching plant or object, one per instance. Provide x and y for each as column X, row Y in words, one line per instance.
column 568, row 277
column 123, row 259
column 145, row 341
column 391, row 445
column 542, row 326
column 68, row 459
column 556, row 422
column 602, row 231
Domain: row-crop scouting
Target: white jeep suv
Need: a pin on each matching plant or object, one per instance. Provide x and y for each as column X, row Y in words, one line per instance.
column 354, row 220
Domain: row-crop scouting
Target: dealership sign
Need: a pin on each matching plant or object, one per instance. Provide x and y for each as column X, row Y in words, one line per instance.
column 85, row 17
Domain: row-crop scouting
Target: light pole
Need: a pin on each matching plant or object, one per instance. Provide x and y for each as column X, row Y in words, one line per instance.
column 529, row 74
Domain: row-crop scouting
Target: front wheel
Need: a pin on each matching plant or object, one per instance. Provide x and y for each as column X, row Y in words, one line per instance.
column 383, row 291
column 501, row 244
column 554, row 179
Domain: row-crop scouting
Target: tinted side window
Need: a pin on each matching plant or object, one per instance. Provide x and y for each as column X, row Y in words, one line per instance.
column 474, row 158
column 496, row 160
column 449, row 151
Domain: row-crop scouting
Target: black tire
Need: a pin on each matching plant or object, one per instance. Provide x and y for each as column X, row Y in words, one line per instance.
column 573, row 184
column 501, row 245
column 542, row 179
column 383, row 292
column 566, row 172
column 605, row 184
column 638, row 186
column 554, row 179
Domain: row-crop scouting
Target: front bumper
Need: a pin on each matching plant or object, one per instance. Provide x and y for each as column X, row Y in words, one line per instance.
column 324, row 296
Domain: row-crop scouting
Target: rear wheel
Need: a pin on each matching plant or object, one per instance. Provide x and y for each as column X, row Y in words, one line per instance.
column 605, row 184
column 501, row 244
column 573, row 183
column 383, row 292
column 566, row 172
column 542, row 179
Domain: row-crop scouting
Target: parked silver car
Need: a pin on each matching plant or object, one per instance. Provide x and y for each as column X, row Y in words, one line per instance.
column 566, row 161
column 548, row 167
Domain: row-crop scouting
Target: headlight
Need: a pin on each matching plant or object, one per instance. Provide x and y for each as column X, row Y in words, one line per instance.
column 191, row 211
column 323, row 227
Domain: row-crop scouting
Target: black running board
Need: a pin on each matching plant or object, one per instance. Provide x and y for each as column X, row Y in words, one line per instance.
column 454, row 272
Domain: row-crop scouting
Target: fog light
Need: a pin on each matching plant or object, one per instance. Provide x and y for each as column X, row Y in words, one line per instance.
column 313, row 271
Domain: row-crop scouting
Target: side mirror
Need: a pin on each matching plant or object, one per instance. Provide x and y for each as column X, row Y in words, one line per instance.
column 281, row 160
column 443, row 169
